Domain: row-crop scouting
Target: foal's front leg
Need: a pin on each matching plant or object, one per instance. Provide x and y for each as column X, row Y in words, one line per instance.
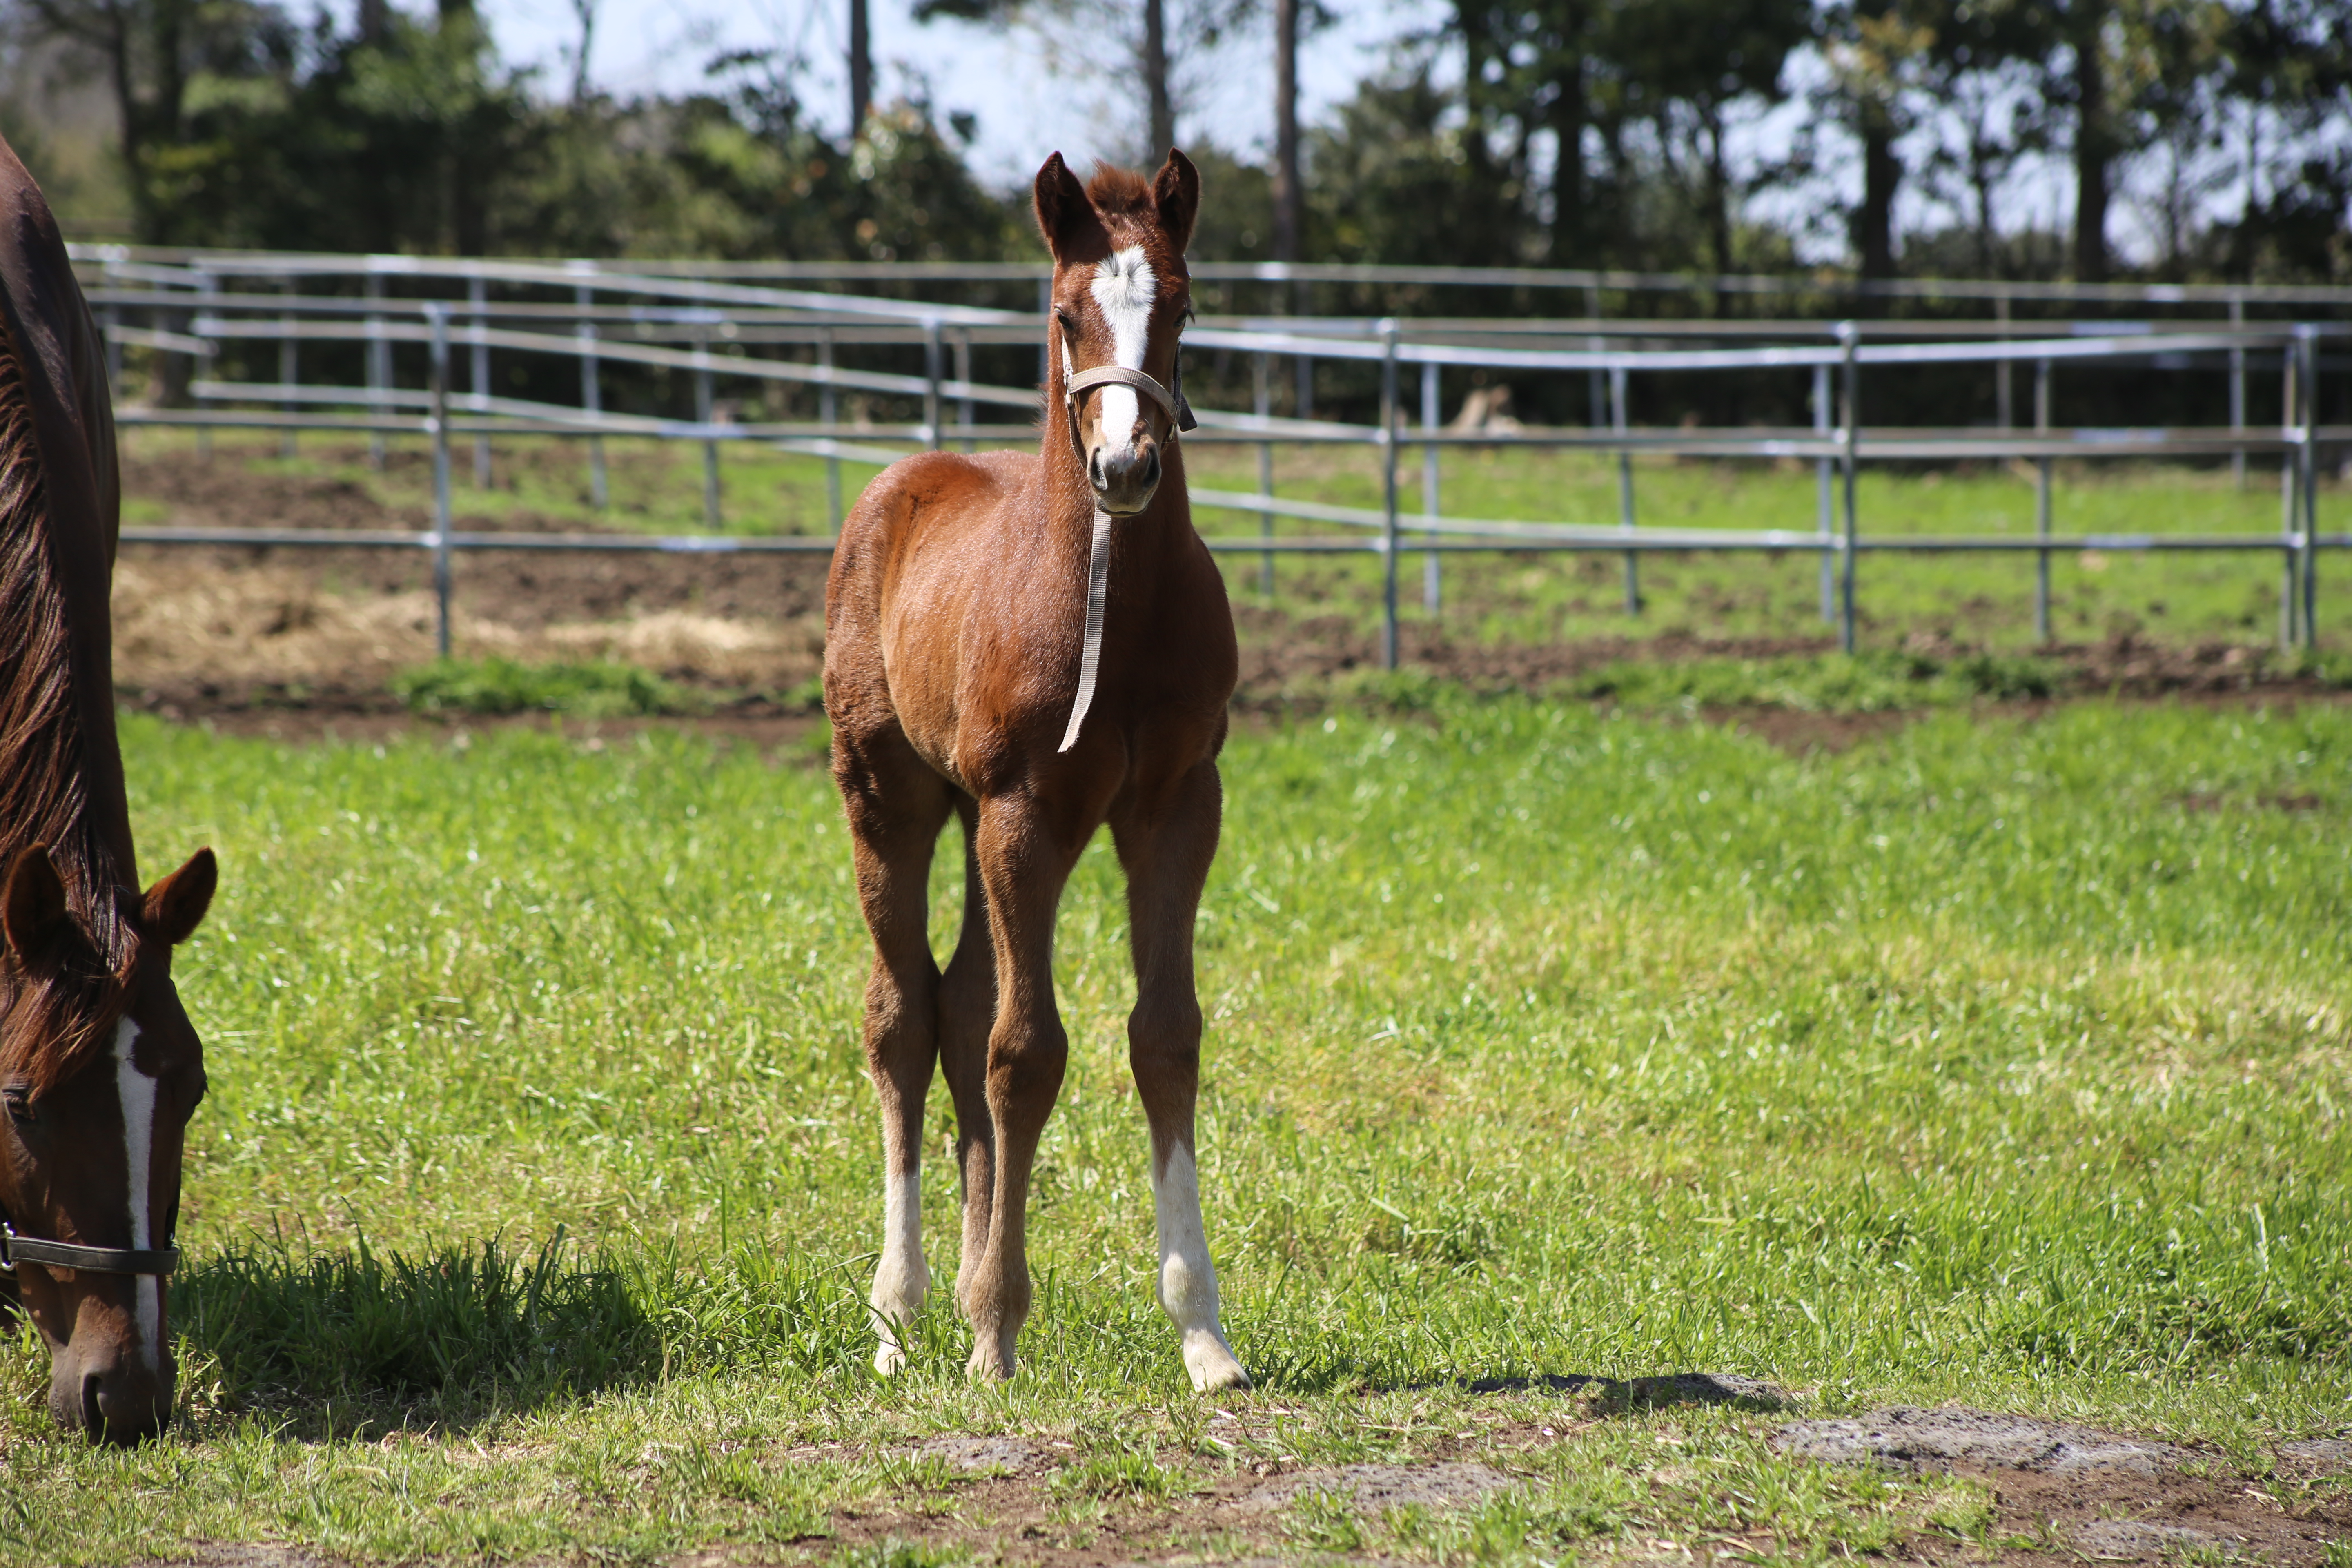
column 1024, row 859
column 1166, row 852
column 895, row 806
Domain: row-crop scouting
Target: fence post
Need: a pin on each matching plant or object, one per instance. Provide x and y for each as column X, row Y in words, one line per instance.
column 379, row 371
column 1621, row 421
column 206, row 287
column 437, row 314
column 591, row 394
column 826, row 413
column 2238, row 388
column 931, row 377
column 703, row 414
column 2307, row 481
column 290, row 375
column 1596, row 387
column 1045, row 336
column 1432, row 578
column 1849, row 443
column 1824, row 511
column 963, row 375
column 2290, row 502
column 2003, row 390
column 2042, row 396
column 1261, row 402
column 479, row 380
column 1389, row 494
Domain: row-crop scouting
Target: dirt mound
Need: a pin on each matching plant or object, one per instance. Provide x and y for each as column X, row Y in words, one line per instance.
column 1906, row 1436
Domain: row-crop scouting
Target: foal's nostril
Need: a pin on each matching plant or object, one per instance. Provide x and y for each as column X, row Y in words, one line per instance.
column 1151, row 467
column 93, row 1418
column 1095, row 469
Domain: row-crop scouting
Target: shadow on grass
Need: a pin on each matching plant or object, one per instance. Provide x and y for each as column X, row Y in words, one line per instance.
column 454, row 1336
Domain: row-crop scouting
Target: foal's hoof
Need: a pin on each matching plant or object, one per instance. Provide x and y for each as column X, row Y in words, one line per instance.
column 991, row 1357
column 890, row 1359
column 1211, row 1364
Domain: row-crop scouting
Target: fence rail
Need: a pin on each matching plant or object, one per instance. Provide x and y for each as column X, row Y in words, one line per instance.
column 713, row 330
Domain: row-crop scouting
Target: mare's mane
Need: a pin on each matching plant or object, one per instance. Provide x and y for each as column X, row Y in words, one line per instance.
column 55, row 1019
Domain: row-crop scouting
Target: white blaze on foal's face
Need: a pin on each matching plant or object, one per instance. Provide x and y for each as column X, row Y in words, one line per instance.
column 136, row 1091
column 1124, row 289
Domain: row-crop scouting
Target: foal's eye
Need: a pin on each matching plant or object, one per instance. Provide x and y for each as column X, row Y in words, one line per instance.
column 1066, row 321
column 20, row 1105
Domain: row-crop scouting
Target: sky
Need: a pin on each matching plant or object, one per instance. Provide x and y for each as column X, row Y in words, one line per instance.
column 1024, row 110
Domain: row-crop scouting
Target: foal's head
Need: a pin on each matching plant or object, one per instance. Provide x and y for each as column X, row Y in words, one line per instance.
column 100, row 1071
column 1121, row 296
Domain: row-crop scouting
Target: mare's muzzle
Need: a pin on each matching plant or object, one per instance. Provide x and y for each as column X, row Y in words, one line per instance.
column 106, row 1379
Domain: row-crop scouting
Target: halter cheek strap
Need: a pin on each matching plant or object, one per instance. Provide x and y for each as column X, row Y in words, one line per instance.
column 1180, row 416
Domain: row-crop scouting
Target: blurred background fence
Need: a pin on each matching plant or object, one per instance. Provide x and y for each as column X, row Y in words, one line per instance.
column 458, row 353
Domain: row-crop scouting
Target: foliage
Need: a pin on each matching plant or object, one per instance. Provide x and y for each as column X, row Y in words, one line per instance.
column 504, row 686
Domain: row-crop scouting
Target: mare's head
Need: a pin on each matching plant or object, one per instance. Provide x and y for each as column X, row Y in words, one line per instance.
column 1120, row 299
column 100, row 1071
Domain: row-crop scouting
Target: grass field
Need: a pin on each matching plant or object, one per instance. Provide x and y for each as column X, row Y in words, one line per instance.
column 1999, row 1060
column 1978, row 600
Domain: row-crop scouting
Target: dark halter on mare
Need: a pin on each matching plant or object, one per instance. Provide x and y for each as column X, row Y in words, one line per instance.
column 16, row 1249
column 1179, row 418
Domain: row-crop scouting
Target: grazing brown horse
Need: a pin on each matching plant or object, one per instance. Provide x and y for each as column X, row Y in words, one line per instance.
column 968, row 599
column 99, row 1067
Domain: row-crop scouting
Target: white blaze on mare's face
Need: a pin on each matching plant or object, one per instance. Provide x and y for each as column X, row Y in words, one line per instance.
column 1124, row 289
column 1187, row 1283
column 902, row 1277
column 137, row 1090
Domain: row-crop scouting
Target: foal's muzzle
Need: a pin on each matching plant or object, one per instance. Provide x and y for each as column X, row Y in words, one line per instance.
column 1124, row 477
column 1124, row 480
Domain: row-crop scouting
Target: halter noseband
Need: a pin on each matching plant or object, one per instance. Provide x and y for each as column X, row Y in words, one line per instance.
column 16, row 1249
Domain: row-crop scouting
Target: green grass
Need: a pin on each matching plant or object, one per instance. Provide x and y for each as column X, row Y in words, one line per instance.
column 493, row 686
column 1997, row 1060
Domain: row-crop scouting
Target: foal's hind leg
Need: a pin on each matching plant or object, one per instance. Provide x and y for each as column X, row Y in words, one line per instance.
column 895, row 806
column 966, row 1016
column 1166, row 847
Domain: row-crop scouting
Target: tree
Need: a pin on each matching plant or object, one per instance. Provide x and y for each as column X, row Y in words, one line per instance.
column 861, row 67
column 1876, row 50
column 1142, row 45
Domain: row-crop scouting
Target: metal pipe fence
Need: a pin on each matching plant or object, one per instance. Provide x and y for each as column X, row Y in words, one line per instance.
column 707, row 329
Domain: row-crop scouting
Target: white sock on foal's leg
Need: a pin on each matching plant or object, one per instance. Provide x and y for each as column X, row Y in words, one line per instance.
column 1188, row 1282
column 902, row 1277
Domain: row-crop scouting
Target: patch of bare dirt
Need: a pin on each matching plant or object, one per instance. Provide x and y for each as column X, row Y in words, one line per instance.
column 2077, row 1492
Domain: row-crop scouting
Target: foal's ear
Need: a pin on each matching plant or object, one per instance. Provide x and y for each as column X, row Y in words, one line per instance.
column 1176, row 192
column 33, row 909
column 1066, row 217
column 175, row 905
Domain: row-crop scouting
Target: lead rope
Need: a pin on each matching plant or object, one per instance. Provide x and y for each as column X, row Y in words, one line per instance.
column 1179, row 414
column 1090, row 658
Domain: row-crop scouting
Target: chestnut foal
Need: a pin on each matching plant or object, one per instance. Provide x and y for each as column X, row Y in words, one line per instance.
column 100, row 1068
column 968, row 600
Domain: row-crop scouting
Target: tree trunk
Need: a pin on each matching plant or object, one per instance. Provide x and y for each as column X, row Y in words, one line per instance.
column 1873, row 220
column 1289, row 196
column 1718, row 202
column 2093, row 148
column 1569, row 190
column 861, row 69
column 1155, row 81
